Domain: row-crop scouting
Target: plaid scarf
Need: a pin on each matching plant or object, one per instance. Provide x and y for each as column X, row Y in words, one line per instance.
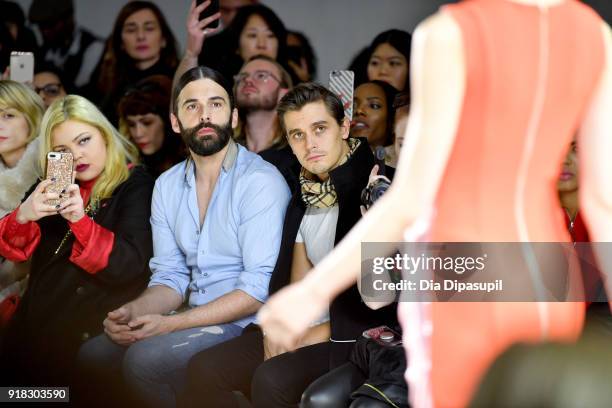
column 323, row 194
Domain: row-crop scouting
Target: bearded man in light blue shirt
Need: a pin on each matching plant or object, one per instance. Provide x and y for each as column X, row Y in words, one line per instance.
column 217, row 223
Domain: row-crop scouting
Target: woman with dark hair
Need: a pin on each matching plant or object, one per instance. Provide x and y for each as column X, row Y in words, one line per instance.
column 141, row 45
column 256, row 30
column 301, row 57
column 50, row 83
column 14, row 35
column 144, row 118
column 374, row 113
column 389, row 59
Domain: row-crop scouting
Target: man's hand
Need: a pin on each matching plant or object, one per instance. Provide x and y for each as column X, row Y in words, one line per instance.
column 272, row 349
column 152, row 325
column 287, row 315
column 116, row 326
column 196, row 29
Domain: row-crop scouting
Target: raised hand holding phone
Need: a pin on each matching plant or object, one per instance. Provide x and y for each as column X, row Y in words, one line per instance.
column 202, row 21
column 36, row 206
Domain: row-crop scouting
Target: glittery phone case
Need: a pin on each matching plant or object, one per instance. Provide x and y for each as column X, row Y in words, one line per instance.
column 59, row 166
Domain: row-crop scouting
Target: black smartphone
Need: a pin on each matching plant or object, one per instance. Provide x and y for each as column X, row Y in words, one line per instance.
column 213, row 8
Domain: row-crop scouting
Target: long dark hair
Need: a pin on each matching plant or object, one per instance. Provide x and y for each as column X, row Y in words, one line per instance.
column 115, row 61
column 201, row 72
column 272, row 21
column 398, row 39
column 390, row 93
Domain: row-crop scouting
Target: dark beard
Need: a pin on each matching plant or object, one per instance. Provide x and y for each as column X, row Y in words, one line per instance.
column 207, row 145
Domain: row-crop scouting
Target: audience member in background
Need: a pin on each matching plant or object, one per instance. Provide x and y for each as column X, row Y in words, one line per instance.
column 335, row 168
column 568, row 189
column 14, row 20
column 256, row 30
column 301, row 57
column 89, row 253
column 20, row 113
column 217, row 223
column 389, row 59
column 568, row 195
column 50, row 84
column 141, row 44
column 67, row 46
column 144, row 116
column 258, row 88
column 401, row 104
column 373, row 113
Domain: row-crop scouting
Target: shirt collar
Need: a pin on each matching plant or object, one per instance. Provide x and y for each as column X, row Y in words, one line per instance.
column 228, row 161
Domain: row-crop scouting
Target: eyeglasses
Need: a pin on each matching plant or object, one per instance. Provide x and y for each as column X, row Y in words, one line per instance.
column 261, row 77
column 49, row 89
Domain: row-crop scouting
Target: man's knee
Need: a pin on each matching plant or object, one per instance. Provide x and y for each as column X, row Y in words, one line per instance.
column 203, row 367
column 321, row 394
column 267, row 382
column 144, row 359
column 98, row 354
column 317, row 399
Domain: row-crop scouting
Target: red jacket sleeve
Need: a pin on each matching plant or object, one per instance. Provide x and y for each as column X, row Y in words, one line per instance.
column 18, row 241
column 92, row 246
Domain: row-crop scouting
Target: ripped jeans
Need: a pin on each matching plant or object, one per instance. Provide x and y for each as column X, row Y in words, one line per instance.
column 150, row 372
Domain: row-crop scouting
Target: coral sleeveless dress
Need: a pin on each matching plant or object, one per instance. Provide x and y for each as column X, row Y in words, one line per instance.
column 531, row 73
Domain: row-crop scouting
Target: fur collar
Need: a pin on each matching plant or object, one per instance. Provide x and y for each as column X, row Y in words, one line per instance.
column 15, row 182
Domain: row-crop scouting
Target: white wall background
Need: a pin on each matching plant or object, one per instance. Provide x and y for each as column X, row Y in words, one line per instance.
column 337, row 29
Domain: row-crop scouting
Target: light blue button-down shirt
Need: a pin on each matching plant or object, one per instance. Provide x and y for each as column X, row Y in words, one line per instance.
column 238, row 244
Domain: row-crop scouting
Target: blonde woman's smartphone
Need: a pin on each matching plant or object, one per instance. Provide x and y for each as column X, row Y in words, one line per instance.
column 59, row 168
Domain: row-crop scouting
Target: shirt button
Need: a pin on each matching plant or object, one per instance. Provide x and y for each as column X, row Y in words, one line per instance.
column 205, row 274
column 80, row 290
column 85, row 336
column 202, row 291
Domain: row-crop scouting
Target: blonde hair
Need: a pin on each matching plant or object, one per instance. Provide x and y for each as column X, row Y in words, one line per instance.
column 119, row 150
column 18, row 96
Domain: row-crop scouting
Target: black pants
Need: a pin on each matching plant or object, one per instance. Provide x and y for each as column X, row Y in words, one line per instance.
column 334, row 390
column 238, row 365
